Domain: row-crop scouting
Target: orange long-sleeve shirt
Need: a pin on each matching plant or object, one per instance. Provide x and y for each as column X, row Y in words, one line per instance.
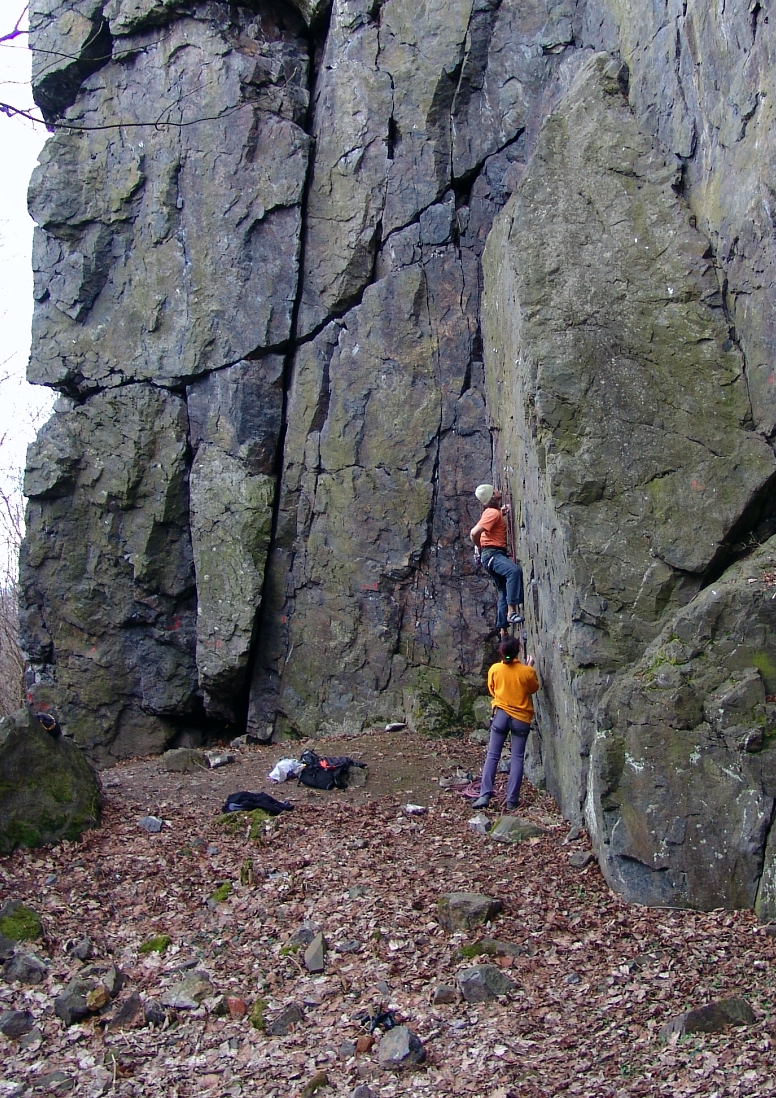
column 511, row 686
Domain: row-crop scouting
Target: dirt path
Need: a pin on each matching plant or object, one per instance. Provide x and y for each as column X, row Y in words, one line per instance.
column 594, row 979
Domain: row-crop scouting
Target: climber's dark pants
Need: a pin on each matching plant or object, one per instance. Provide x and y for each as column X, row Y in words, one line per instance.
column 508, row 578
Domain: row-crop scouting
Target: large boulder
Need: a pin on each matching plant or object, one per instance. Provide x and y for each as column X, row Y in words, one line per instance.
column 682, row 781
column 49, row 790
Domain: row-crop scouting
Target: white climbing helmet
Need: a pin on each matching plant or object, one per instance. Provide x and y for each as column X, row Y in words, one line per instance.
column 484, row 493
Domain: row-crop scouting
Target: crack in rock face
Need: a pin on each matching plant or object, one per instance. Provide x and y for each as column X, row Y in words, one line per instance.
column 305, row 274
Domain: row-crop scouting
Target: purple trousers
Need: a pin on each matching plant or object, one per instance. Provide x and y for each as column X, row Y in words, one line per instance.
column 501, row 724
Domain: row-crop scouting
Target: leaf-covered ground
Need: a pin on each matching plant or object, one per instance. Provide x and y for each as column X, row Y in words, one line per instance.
column 595, row 979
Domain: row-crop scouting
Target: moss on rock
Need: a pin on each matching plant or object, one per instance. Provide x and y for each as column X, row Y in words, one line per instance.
column 49, row 791
column 19, row 922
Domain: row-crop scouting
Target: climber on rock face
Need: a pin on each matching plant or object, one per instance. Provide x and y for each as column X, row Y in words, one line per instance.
column 490, row 544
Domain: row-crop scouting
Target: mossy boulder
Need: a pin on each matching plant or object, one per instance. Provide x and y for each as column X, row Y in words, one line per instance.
column 48, row 789
column 683, row 765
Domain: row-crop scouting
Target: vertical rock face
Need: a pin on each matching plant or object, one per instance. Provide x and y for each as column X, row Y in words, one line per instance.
column 259, row 276
column 631, row 440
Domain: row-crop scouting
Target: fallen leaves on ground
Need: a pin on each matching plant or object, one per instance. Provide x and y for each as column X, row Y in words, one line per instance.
column 596, row 979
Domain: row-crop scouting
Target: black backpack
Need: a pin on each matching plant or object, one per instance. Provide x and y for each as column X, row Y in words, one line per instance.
column 325, row 773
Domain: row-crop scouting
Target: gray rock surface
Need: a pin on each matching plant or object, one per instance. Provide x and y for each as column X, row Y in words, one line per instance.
column 258, row 277
column 315, row 954
column 15, row 1023
column 184, row 760
column 696, row 697
column 511, row 829
column 711, row 1018
column 49, row 789
column 481, row 983
column 400, row 1049
column 24, row 968
column 131, row 281
column 189, row 992
column 284, row 1023
column 108, row 559
column 464, row 910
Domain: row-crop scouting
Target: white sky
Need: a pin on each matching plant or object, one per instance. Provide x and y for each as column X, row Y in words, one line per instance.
column 21, row 405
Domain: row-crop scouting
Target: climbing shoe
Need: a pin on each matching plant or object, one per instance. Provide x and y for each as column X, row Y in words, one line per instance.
column 510, row 806
column 515, row 619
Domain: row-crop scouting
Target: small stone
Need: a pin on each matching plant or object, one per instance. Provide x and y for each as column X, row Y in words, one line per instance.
column 511, row 829
column 183, row 760
column 711, row 1018
column 219, row 758
column 580, row 858
column 303, row 935
column 71, row 1006
column 236, row 1006
column 7, row 947
column 83, row 949
column 154, row 1013
column 415, row 810
column 289, row 1017
column 445, row 995
column 97, row 998
column 498, row 948
column 464, row 910
column 129, row 1013
column 357, row 777
column 246, row 740
column 395, row 726
column 32, row 1040
column 348, row 945
column 199, row 845
column 364, row 1043
column 189, row 993
column 481, row 983
column 480, row 736
column 25, row 968
column 113, row 979
column 400, row 1049
column 320, row 1079
column 151, row 824
column 314, row 955
column 51, row 879
column 573, row 835
column 363, row 1091
column 55, row 1081
column 573, row 978
column 356, row 892
column 480, row 823
column 15, row 1023
column 347, row 1049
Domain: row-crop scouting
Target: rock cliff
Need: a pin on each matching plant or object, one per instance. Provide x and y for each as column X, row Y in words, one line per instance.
column 305, row 274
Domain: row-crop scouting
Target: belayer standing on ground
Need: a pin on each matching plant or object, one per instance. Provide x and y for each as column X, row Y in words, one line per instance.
column 490, row 542
column 510, row 684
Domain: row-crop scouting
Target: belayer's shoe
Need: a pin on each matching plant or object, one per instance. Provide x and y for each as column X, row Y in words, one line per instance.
column 510, row 806
column 515, row 619
column 482, row 802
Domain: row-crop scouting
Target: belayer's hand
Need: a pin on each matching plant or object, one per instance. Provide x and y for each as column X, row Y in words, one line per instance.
column 529, row 661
